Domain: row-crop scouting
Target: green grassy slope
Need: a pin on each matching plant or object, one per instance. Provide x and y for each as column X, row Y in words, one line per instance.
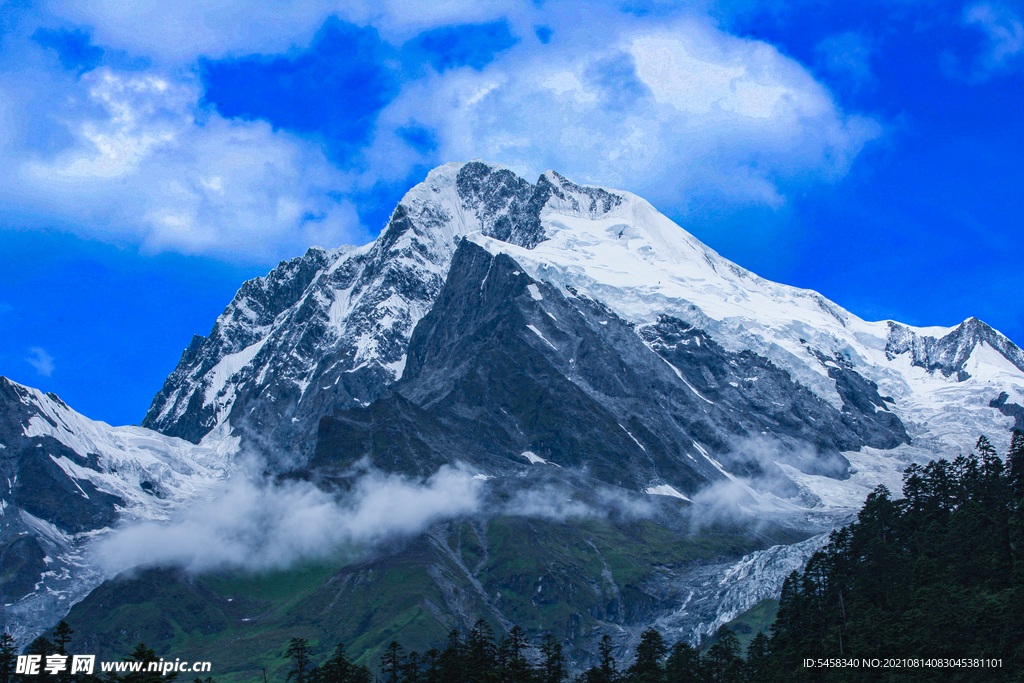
column 543, row 575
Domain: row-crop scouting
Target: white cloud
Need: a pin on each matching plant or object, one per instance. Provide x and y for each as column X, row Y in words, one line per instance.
column 259, row 525
column 672, row 112
column 41, row 361
column 143, row 162
column 676, row 110
column 183, row 30
column 1003, row 29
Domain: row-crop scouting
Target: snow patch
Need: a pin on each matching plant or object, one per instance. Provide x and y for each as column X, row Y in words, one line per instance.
column 227, row 367
column 539, row 334
column 665, row 490
column 536, row 459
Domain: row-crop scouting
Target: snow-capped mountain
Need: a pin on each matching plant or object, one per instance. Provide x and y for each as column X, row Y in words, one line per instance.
column 546, row 332
column 331, row 330
column 69, row 478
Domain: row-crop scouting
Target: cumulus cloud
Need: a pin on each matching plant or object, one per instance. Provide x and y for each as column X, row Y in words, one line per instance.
column 258, row 525
column 673, row 112
column 40, row 360
column 671, row 107
column 141, row 161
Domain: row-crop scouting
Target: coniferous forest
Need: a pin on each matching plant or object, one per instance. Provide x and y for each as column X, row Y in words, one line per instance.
column 927, row 587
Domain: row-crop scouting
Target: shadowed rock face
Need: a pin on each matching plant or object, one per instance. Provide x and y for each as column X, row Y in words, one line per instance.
column 504, row 365
column 1014, row 410
column 330, row 329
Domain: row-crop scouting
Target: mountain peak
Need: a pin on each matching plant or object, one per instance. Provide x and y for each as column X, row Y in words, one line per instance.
column 331, row 329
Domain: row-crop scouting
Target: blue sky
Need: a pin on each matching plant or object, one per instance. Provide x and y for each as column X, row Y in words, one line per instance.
column 155, row 156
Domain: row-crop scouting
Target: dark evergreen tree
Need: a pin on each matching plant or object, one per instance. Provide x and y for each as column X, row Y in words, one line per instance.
column 683, row 664
column 62, row 636
column 723, row 663
column 8, row 657
column 392, row 662
column 339, row 668
column 432, row 666
column 515, row 667
column 937, row 574
column 411, row 671
column 647, row 667
column 756, row 668
column 298, row 652
column 451, row 661
column 480, row 654
column 146, row 655
column 553, row 660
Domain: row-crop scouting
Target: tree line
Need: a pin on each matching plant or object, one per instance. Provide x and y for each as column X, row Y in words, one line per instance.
column 936, row 577
column 928, row 587
column 478, row 657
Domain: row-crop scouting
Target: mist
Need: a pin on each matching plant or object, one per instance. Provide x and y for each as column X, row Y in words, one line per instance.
column 256, row 524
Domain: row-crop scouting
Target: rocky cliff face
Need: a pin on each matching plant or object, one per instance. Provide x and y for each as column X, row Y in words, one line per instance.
column 331, row 330
column 506, row 371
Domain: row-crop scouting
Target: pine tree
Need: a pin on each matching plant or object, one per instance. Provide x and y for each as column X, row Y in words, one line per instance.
column 756, row 668
column 8, row 657
column 298, row 652
column 553, row 664
column 391, row 663
column 142, row 653
column 451, row 659
column 683, row 664
column 647, row 667
column 62, row 636
column 1015, row 523
column 481, row 655
column 411, row 672
column 516, row 668
column 1015, row 460
column 606, row 665
column 723, row 658
column 338, row 669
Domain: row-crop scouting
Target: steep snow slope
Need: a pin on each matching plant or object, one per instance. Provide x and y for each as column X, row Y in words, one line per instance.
column 68, row 480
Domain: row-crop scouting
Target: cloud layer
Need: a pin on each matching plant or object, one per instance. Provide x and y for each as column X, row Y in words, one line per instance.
column 137, row 160
column 677, row 113
column 116, row 127
column 257, row 525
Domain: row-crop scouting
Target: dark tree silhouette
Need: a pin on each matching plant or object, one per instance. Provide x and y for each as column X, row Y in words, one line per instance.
column 298, row 652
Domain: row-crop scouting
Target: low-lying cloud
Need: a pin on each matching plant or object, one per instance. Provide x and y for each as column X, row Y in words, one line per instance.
column 259, row 525
column 561, row 502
